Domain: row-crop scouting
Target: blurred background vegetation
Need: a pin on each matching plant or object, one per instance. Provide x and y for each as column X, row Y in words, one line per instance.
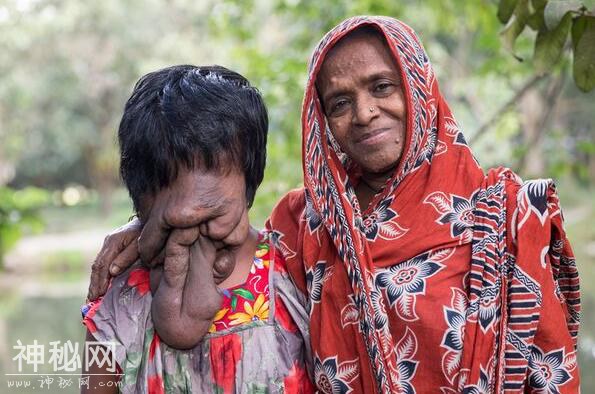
column 67, row 67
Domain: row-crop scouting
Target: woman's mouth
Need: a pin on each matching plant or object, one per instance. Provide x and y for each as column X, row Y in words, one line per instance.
column 374, row 136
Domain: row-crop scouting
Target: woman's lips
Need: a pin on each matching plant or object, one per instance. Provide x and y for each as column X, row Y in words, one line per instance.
column 373, row 137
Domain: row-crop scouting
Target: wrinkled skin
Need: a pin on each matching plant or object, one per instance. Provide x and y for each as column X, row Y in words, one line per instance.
column 201, row 221
column 182, row 313
column 361, row 91
column 214, row 203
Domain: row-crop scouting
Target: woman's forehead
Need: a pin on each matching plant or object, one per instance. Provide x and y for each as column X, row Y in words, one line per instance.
column 362, row 53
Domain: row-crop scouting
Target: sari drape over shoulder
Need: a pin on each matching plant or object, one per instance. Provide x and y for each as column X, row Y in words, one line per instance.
column 452, row 280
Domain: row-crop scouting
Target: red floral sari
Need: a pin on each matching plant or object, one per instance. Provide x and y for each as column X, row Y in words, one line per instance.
column 451, row 281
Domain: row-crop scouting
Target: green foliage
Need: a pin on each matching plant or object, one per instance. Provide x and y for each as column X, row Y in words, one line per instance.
column 19, row 210
column 553, row 20
column 516, row 24
column 506, row 9
column 583, row 40
column 549, row 45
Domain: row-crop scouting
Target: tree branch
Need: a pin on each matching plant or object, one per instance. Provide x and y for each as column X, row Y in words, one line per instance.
column 554, row 90
column 487, row 125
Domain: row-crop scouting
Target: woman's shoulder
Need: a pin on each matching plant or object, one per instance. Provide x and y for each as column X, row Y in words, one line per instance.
column 128, row 299
column 292, row 203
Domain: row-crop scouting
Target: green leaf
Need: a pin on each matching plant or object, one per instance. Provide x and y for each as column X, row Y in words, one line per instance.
column 579, row 25
column 555, row 10
column 244, row 294
column 584, row 52
column 550, row 44
column 536, row 20
column 538, row 4
column 505, row 9
column 515, row 26
column 234, row 302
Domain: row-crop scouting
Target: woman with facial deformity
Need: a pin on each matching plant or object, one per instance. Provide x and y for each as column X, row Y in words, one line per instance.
column 423, row 273
column 215, row 301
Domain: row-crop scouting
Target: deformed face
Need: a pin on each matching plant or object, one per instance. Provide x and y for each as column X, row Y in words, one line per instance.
column 213, row 200
column 361, row 90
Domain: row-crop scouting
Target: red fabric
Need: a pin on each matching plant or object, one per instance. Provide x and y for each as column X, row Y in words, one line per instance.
column 400, row 301
column 139, row 278
column 225, row 352
column 283, row 317
column 155, row 384
column 154, row 346
column 294, row 383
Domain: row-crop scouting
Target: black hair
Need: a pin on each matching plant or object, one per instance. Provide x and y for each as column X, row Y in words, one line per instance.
column 208, row 117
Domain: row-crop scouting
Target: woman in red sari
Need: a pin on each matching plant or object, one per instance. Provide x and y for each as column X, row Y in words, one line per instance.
column 423, row 274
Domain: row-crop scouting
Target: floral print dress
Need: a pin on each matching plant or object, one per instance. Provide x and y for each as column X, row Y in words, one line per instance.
column 258, row 341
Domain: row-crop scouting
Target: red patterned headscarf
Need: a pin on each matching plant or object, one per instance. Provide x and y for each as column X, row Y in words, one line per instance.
column 440, row 234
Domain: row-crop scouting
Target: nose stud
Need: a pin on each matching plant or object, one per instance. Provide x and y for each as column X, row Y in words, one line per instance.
column 371, row 109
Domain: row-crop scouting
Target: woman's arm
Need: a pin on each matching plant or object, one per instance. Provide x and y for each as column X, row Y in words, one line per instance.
column 101, row 381
column 186, row 299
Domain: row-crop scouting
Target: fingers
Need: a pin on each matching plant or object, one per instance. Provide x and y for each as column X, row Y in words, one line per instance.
column 125, row 259
column 184, row 236
column 223, row 265
column 222, row 226
column 113, row 245
column 158, row 260
column 99, row 281
column 155, row 278
column 153, row 238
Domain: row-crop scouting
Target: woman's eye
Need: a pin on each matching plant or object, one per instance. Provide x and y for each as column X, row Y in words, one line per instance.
column 383, row 87
column 339, row 106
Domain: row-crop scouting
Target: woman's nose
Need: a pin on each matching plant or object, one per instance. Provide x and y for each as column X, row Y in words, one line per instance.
column 364, row 111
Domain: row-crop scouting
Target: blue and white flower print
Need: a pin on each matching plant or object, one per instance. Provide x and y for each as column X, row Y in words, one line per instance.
column 379, row 307
column 453, row 130
column 332, row 377
column 456, row 211
column 315, row 277
column 403, row 282
column 549, row 371
column 382, row 223
column 489, row 307
column 454, row 315
column 406, row 366
column 532, row 198
column 350, row 313
column 481, row 387
column 313, row 218
column 277, row 237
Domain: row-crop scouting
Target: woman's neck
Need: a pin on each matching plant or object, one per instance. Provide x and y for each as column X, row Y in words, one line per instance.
column 369, row 185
